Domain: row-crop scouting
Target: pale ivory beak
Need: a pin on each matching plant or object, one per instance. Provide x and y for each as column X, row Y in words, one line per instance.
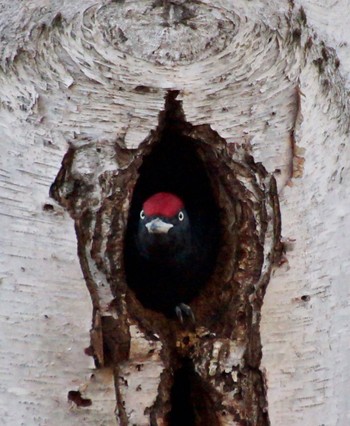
column 157, row 226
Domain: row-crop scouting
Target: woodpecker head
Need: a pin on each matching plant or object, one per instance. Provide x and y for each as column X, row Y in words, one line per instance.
column 164, row 228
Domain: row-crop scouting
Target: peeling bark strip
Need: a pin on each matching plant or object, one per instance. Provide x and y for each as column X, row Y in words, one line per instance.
column 218, row 359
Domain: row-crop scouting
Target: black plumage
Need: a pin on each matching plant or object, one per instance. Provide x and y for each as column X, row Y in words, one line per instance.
column 166, row 267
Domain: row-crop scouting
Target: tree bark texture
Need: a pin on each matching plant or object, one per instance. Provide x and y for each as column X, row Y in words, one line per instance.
column 87, row 90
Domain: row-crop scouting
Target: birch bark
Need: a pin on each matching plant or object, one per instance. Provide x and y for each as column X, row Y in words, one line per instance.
column 272, row 79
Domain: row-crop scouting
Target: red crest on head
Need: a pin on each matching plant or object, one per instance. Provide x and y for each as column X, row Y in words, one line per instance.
column 163, row 204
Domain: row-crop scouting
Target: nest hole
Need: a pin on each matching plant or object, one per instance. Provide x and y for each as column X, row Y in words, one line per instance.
column 173, row 165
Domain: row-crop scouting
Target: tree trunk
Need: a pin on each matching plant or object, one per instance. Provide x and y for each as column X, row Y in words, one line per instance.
column 259, row 91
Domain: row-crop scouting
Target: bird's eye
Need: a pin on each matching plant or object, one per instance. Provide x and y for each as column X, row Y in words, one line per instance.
column 142, row 214
column 181, row 216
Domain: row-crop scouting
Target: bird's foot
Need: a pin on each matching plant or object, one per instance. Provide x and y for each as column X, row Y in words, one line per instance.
column 182, row 309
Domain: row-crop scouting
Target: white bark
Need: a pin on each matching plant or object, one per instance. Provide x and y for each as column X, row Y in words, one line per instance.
column 306, row 343
column 96, row 73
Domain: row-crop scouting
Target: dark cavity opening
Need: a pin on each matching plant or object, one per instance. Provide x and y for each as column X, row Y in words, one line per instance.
column 175, row 274
column 191, row 404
